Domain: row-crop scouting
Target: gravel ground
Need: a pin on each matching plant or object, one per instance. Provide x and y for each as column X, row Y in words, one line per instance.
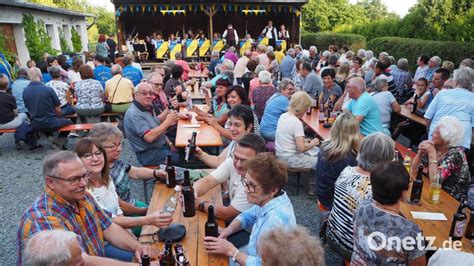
column 21, row 183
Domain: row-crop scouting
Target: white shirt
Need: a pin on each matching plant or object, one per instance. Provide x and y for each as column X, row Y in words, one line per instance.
column 107, row 198
column 73, row 76
column 226, row 173
column 289, row 127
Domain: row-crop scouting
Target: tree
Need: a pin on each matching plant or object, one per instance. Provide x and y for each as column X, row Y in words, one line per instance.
column 37, row 39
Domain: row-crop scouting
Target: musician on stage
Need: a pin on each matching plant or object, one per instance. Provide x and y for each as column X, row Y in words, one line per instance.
column 283, row 34
column 230, row 35
column 271, row 33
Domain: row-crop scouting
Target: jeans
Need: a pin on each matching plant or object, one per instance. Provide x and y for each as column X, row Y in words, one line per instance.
column 16, row 122
column 118, row 254
column 267, row 136
column 156, row 156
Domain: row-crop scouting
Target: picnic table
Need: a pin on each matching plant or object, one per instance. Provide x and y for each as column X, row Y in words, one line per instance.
column 197, row 94
column 312, row 121
column 207, row 135
column 406, row 112
column 194, row 239
column 193, row 73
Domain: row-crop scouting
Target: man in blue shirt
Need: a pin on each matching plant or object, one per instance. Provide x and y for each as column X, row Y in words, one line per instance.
column 18, row 86
column 287, row 64
column 132, row 73
column 44, row 108
column 101, row 72
column 362, row 106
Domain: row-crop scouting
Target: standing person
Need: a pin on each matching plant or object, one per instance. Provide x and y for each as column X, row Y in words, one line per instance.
column 44, row 108
column 241, row 66
column 271, row 33
column 89, row 94
column 284, row 35
column 112, row 47
column 132, row 73
column 102, row 48
column 230, row 35
column 102, row 73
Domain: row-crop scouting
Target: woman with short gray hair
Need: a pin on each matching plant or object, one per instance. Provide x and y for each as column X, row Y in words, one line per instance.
column 352, row 187
column 386, row 102
column 262, row 93
column 61, row 89
column 444, row 150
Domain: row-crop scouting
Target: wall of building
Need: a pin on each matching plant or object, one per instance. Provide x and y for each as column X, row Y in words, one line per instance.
column 53, row 22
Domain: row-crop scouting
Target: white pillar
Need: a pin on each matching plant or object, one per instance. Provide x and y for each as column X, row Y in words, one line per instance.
column 84, row 39
column 67, row 35
column 20, row 40
column 54, row 34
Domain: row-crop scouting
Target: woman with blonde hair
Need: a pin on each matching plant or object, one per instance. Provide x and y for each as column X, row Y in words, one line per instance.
column 339, row 151
column 342, row 74
column 290, row 143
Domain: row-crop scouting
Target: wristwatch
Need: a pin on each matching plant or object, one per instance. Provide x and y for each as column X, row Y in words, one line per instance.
column 154, row 174
column 202, row 205
column 234, row 258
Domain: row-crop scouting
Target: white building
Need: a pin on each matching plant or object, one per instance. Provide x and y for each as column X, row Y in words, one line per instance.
column 11, row 16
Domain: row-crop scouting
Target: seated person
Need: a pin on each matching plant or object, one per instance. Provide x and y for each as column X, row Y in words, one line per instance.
column 10, row 118
column 110, row 137
column 61, row 89
column 381, row 214
column 102, row 73
column 331, row 91
column 262, row 93
column 53, row 247
column 422, row 94
column 175, row 88
column 218, row 105
column 275, row 107
column 144, row 130
column 264, row 181
column 445, row 150
column 66, row 205
column 335, row 154
column 119, row 90
column 352, row 187
column 102, row 188
column 381, row 72
column 236, row 96
column 311, row 82
column 89, row 94
column 19, row 86
column 290, row 143
column 230, row 172
column 132, row 73
column 44, row 108
column 386, row 102
column 362, row 106
column 305, row 249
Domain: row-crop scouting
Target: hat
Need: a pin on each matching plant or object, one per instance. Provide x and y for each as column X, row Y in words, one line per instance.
column 224, row 81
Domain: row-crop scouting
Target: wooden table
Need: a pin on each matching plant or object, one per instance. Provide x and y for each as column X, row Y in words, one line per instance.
column 207, row 135
column 193, row 242
column 447, row 205
column 312, row 121
column 193, row 73
column 406, row 112
column 196, row 94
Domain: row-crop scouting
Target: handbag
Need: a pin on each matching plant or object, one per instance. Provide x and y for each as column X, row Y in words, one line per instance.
column 108, row 105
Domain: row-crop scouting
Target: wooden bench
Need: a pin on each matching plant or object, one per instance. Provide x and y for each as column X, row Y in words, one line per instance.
column 298, row 172
column 9, row 130
column 79, row 127
column 103, row 114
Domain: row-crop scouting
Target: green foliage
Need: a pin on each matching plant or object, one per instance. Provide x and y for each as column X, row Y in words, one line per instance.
column 105, row 20
column 76, row 40
column 413, row 48
column 9, row 55
column 323, row 39
column 37, row 39
column 63, row 42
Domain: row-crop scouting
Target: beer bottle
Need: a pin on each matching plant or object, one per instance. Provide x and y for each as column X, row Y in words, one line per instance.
column 180, row 255
column 469, row 234
column 316, row 99
column 415, row 103
column 167, row 258
column 145, row 260
column 189, row 209
column 308, row 111
column 211, row 228
column 417, row 186
column 170, row 105
column 171, row 175
column 191, row 148
column 459, row 223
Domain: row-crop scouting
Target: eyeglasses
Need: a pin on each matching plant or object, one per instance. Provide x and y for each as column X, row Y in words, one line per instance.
column 250, row 187
column 236, row 159
column 75, row 179
column 156, row 84
column 146, row 93
column 113, row 146
column 89, row 155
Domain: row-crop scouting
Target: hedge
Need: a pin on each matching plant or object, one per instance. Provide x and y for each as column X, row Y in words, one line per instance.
column 413, row 48
column 323, row 39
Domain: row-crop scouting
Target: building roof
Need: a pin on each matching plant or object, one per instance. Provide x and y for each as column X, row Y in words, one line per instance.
column 33, row 6
column 270, row 2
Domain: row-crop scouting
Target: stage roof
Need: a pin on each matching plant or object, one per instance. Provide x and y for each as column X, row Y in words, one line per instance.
column 177, row 2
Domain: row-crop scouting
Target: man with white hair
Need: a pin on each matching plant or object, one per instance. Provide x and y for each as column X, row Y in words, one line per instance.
column 53, row 247
column 457, row 102
column 262, row 93
column 433, row 65
column 313, row 57
column 119, row 90
column 215, row 60
column 287, row 64
column 145, row 132
column 362, row 106
column 44, row 108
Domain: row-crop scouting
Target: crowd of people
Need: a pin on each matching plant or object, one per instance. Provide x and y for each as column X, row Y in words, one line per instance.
column 258, row 100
